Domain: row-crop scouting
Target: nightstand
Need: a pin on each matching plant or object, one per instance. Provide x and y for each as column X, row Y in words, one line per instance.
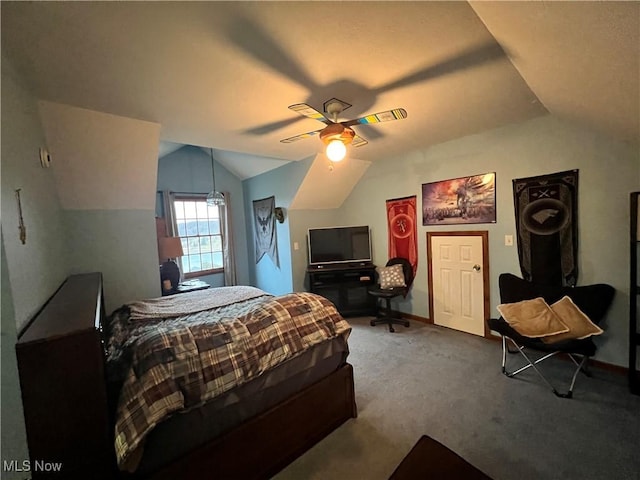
column 188, row 286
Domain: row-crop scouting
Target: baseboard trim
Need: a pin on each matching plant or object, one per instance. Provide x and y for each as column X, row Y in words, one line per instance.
column 610, row 367
column 410, row 316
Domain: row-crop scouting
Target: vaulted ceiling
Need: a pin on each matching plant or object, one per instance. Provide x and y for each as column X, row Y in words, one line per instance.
column 222, row 74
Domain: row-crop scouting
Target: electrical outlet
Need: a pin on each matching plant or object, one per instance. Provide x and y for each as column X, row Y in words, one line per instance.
column 508, row 240
column 296, row 246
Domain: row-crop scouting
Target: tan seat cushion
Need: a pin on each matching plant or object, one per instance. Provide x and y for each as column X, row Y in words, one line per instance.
column 532, row 318
column 580, row 326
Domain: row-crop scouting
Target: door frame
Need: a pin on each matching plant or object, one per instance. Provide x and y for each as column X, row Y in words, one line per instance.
column 485, row 270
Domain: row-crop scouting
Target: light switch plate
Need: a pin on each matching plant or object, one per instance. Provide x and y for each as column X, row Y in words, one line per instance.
column 508, row 240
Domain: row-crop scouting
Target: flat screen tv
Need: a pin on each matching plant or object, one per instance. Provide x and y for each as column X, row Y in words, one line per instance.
column 339, row 245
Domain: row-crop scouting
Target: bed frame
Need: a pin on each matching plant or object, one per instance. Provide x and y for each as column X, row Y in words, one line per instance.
column 66, row 403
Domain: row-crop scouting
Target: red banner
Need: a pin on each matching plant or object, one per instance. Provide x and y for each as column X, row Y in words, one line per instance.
column 401, row 220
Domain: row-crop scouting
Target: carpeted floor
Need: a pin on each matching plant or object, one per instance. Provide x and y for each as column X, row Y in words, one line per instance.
column 428, row 380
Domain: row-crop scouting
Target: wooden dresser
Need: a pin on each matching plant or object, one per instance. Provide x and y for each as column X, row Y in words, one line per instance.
column 61, row 365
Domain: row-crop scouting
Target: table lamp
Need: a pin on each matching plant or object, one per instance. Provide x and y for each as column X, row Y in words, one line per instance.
column 169, row 248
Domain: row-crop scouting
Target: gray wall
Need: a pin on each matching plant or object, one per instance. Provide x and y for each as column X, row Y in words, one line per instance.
column 36, row 268
column 283, row 183
column 122, row 245
column 189, row 170
column 31, row 272
column 608, row 171
column 105, row 168
column 14, row 439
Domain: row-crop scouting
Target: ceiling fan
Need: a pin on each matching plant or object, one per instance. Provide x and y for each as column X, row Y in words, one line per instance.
column 249, row 36
column 337, row 135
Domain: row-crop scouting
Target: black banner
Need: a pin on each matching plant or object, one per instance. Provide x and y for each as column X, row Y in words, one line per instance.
column 546, row 209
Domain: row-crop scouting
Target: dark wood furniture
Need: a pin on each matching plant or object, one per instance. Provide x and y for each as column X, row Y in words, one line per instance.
column 61, row 363
column 188, row 286
column 263, row 446
column 430, row 459
column 634, row 292
column 346, row 286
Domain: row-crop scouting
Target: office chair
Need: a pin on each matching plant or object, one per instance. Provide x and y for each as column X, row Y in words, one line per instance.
column 392, row 287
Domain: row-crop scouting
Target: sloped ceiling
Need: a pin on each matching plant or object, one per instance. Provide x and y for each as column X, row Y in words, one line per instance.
column 327, row 184
column 582, row 59
column 222, row 74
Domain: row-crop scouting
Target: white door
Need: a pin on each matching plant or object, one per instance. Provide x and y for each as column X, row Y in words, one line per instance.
column 458, row 282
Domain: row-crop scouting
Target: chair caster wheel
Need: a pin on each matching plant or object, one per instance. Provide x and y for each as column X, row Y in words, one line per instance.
column 372, row 323
column 391, row 329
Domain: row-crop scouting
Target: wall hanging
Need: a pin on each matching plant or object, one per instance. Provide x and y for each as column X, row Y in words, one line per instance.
column 264, row 221
column 21, row 225
column 460, row 200
column 401, row 228
column 546, row 209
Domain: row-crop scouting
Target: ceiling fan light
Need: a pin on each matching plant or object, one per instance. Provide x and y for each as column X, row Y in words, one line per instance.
column 336, row 150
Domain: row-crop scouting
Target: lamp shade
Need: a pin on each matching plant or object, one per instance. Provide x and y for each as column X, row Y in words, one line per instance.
column 169, row 247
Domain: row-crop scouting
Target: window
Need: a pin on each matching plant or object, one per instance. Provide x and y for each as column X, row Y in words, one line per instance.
column 199, row 230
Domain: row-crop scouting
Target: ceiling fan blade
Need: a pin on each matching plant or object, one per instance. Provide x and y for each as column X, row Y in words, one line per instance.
column 300, row 137
column 309, row 111
column 395, row 114
column 358, row 141
column 256, row 42
column 270, row 127
column 372, row 132
column 476, row 56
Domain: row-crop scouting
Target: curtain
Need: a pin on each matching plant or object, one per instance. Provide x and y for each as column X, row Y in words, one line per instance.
column 169, row 213
column 228, row 256
column 170, row 218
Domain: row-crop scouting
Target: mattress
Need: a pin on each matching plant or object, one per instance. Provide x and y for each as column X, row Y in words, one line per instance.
column 185, row 431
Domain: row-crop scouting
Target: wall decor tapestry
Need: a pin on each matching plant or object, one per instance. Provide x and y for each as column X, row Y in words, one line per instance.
column 264, row 221
column 460, row 200
column 401, row 223
column 546, row 209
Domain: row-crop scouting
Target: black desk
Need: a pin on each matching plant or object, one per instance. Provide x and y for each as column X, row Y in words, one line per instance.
column 188, row 286
column 346, row 286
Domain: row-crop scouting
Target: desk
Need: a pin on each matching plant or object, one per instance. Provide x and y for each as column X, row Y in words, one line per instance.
column 346, row 286
column 188, row 286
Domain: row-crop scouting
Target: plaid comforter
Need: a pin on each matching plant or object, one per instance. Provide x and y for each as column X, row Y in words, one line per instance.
column 171, row 365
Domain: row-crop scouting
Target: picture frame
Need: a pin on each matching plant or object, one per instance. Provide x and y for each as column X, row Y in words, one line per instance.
column 463, row 200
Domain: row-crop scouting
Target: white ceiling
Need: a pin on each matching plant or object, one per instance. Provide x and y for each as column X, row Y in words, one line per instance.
column 211, row 74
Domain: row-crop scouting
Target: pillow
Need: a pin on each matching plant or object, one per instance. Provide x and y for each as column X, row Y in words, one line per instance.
column 580, row 326
column 391, row 277
column 532, row 318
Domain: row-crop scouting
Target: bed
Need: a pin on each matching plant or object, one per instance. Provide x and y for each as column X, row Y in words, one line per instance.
column 263, row 402
column 196, row 365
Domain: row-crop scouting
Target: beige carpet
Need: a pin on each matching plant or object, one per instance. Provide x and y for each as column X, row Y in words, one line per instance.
column 428, row 380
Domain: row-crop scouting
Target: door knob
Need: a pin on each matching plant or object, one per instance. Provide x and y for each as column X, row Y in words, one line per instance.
column 476, row 267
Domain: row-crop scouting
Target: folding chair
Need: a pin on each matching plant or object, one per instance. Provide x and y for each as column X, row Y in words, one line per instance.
column 593, row 300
